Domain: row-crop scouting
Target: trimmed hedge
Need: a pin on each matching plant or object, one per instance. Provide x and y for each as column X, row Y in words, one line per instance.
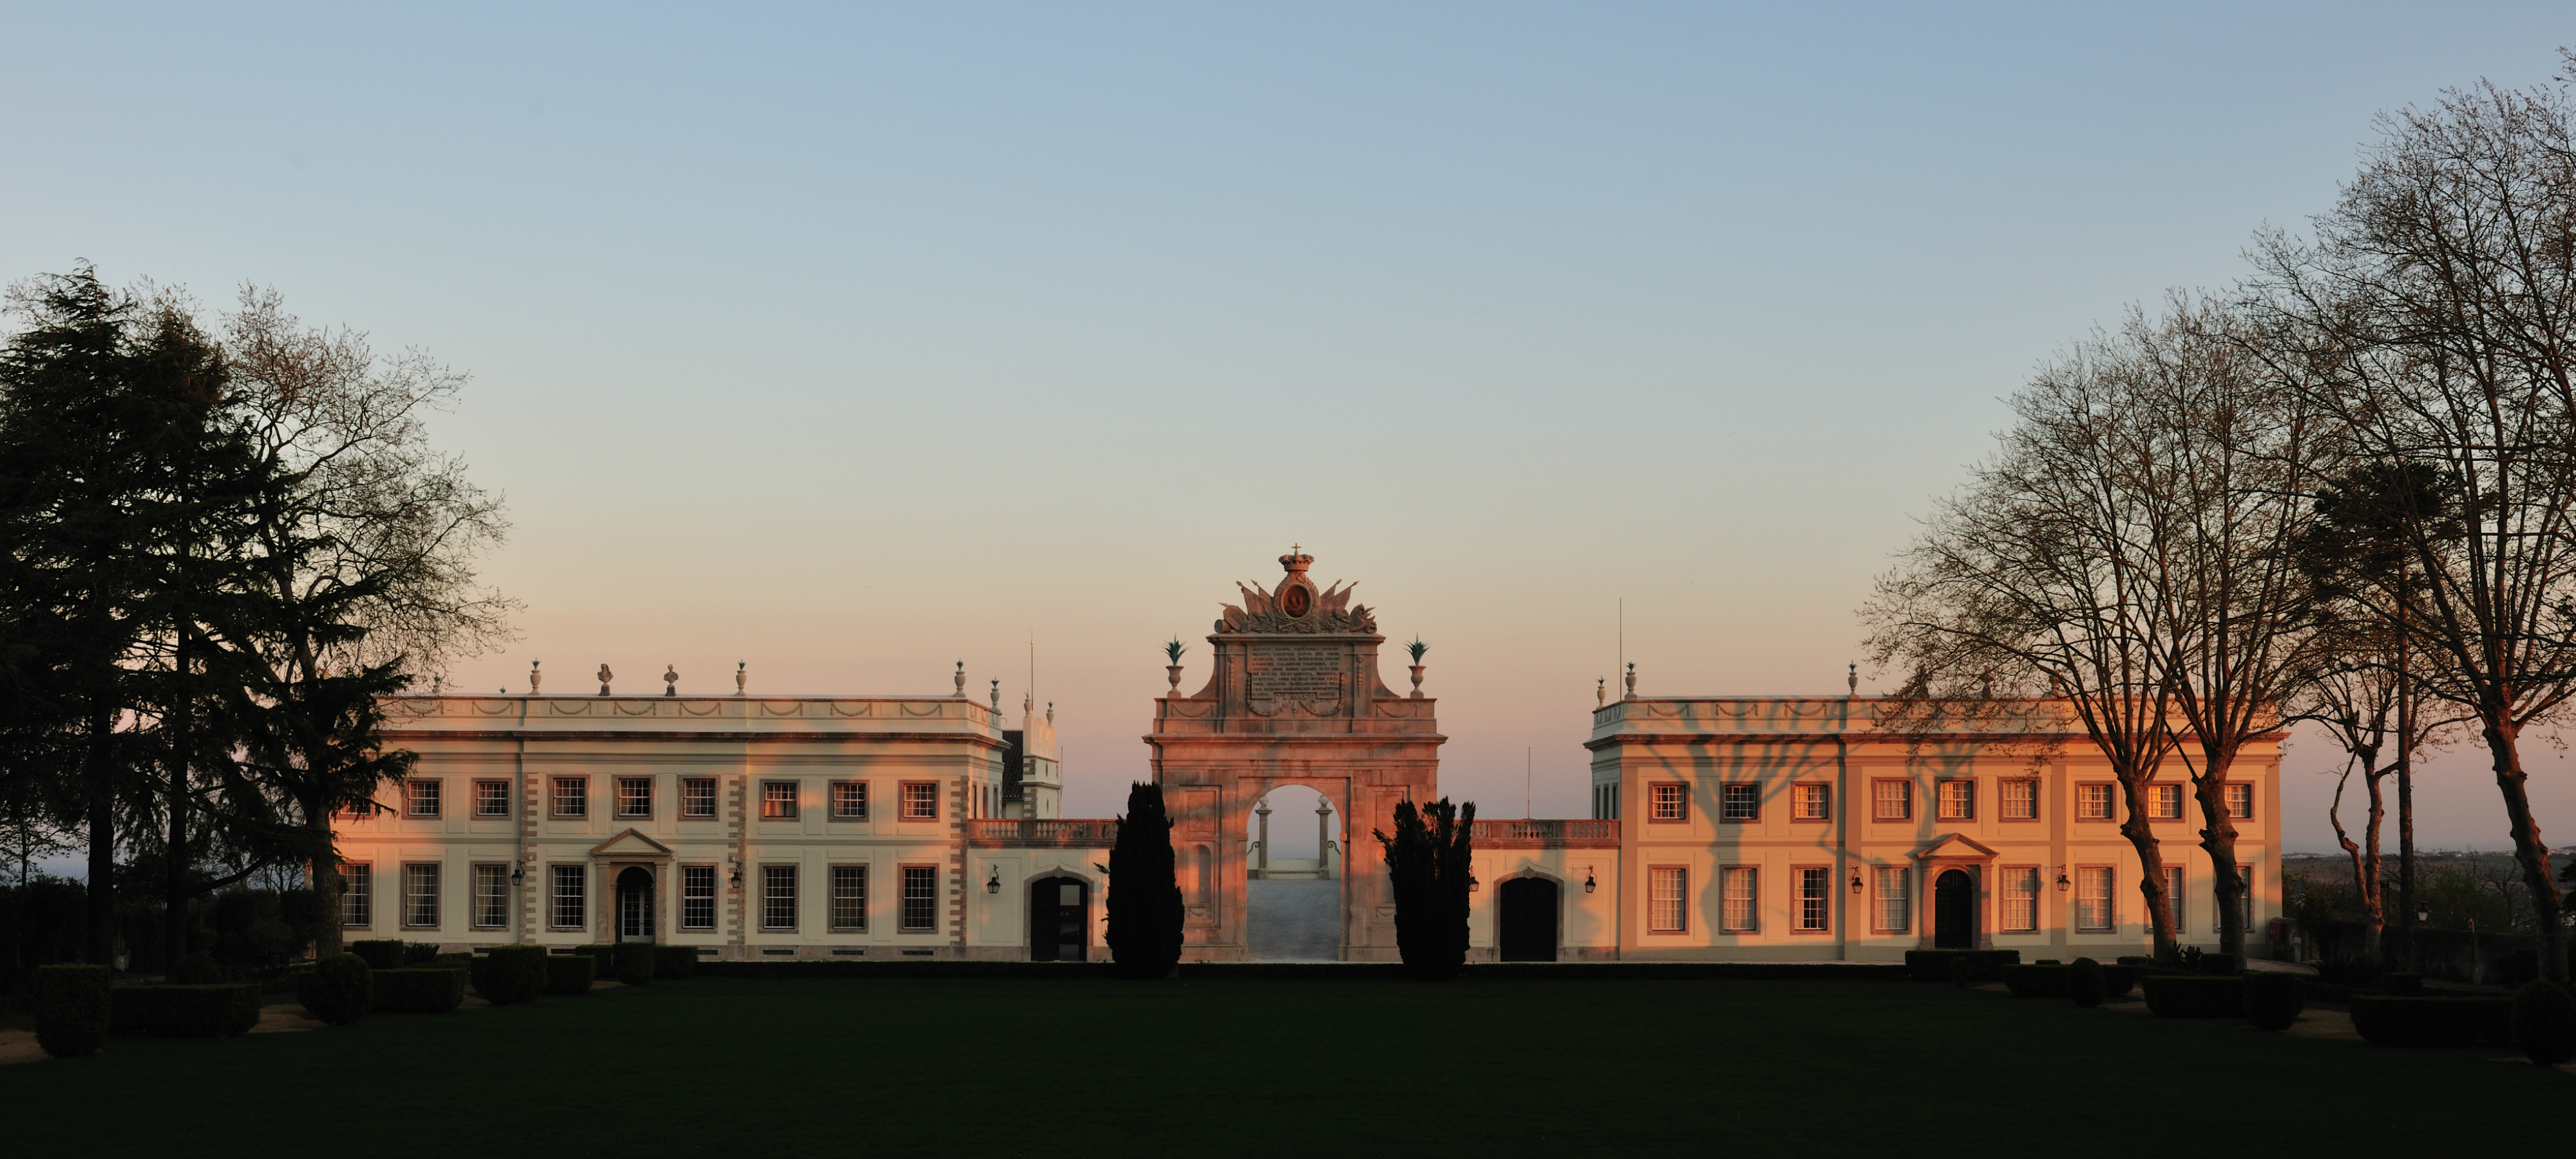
column 2544, row 1022
column 216, row 1010
column 381, row 953
column 197, row 969
column 675, row 962
column 2084, row 983
column 418, row 990
column 508, row 975
column 570, row 974
column 633, row 962
column 2045, row 980
column 2390, row 1020
column 2273, row 1000
column 2221, row 965
column 339, row 990
column 1982, row 965
column 71, row 1009
column 2117, row 981
column 2194, row 996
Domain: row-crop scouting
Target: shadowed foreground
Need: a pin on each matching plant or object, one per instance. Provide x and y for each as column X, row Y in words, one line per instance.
column 1274, row 1067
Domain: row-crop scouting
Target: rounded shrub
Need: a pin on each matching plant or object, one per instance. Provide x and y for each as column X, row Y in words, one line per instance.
column 2221, row 965
column 508, row 975
column 2544, row 1022
column 633, row 962
column 340, row 989
column 71, row 1009
column 197, row 969
column 381, row 953
column 2273, row 1001
column 2084, row 984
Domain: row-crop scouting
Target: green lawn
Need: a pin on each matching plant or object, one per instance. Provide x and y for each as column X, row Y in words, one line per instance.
column 1233, row 1067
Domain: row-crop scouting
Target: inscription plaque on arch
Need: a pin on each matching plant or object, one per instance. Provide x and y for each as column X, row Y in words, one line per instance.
column 1293, row 670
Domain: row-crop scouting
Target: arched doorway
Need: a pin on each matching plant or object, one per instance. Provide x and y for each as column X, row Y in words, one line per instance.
column 1954, row 911
column 1526, row 920
column 635, row 905
column 1059, row 919
column 1293, row 870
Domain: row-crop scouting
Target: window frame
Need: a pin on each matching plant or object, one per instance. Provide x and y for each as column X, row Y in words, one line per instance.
column 771, row 873
column 1881, row 898
column 1661, row 909
column 1878, row 787
column 618, row 807
column 357, row 895
column 1668, row 803
column 929, row 923
column 689, row 895
column 689, row 798
column 903, row 809
column 1798, row 801
column 861, row 792
column 412, row 897
column 1819, row 901
column 418, row 789
column 2004, row 917
column 840, row 873
column 579, row 796
column 2110, row 800
column 2004, row 799
column 2157, row 794
column 556, row 873
column 794, row 800
column 1750, row 896
column 2176, row 880
column 499, row 873
column 1941, row 787
column 2232, row 794
column 1730, row 794
column 2085, row 877
column 483, row 793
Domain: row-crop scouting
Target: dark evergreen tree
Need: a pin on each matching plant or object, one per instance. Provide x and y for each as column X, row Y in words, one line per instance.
column 1144, row 895
column 1429, row 864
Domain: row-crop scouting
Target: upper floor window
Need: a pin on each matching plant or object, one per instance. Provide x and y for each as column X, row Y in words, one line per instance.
column 1958, row 799
column 1814, row 802
column 571, row 797
column 420, row 796
column 491, row 798
column 357, row 895
column 2093, row 802
column 921, row 801
column 1892, row 801
column 634, row 796
column 2021, row 799
column 849, row 800
column 777, row 800
column 697, row 797
column 2164, row 802
column 361, row 807
column 1739, row 802
column 2240, row 802
column 1672, row 803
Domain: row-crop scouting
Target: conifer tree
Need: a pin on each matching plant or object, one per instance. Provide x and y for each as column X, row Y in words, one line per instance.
column 1144, row 896
column 1429, row 863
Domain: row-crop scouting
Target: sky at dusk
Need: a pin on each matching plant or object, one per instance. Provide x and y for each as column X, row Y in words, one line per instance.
column 850, row 343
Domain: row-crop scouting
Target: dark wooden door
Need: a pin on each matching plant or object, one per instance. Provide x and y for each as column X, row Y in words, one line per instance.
column 1526, row 913
column 1954, row 911
column 635, row 905
column 1059, row 919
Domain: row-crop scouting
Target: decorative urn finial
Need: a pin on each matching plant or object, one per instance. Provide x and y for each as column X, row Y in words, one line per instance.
column 670, row 680
column 604, row 676
column 1632, row 683
column 997, row 696
column 535, row 677
column 1601, row 690
column 741, row 675
column 961, row 680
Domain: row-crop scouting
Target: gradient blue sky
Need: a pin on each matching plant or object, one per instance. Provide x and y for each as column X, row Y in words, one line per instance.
column 851, row 343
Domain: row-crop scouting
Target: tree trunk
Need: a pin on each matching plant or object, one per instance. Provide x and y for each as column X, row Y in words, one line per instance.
column 2502, row 735
column 2364, row 853
column 2160, row 921
column 328, row 885
column 101, row 893
column 2218, row 836
column 174, row 876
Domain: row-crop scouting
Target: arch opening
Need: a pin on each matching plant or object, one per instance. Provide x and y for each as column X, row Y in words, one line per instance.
column 635, row 905
column 1292, row 860
column 1526, row 920
column 1954, row 911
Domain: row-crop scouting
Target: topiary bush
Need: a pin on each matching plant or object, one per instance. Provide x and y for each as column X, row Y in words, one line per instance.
column 2042, row 980
column 71, row 1009
column 381, row 953
column 419, row 953
column 633, row 962
column 674, row 961
column 2273, row 1001
column 339, row 990
column 418, row 990
column 2221, row 965
column 569, row 974
column 219, row 1010
column 2389, row 1020
column 2194, row 996
column 508, row 975
column 2544, row 1023
column 2118, row 981
column 2084, row 983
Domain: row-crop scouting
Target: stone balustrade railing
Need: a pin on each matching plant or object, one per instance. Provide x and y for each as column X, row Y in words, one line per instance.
column 1047, row 833
column 1544, row 834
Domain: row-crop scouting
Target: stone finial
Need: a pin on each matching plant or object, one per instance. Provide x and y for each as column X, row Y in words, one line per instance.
column 670, row 680
column 436, row 683
column 741, row 675
column 1852, row 681
column 1632, row 683
column 961, row 680
column 535, row 677
column 604, row 677
column 1601, row 690
column 1050, row 712
column 997, row 697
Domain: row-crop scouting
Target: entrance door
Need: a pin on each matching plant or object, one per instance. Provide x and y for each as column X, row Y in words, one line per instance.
column 1954, row 911
column 1527, row 920
column 1059, row 919
column 635, row 905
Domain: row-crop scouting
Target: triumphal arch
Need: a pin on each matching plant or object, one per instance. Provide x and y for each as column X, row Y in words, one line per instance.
column 1293, row 698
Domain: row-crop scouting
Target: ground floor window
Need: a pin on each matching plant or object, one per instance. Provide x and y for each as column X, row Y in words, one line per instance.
column 420, row 896
column 849, row 897
column 778, row 897
column 491, row 896
column 920, row 897
column 1815, row 893
column 2093, row 897
column 1669, row 893
column 1895, row 899
column 2174, row 896
column 571, row 897
column 697, row 897
column 357, row 895
column 2245, row 896
column 2021, row 899
column 1743, row 913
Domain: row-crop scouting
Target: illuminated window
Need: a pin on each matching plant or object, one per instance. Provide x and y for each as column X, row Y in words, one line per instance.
column 920, row 801
column 2240, row 802
column 1892, row 801
column 2164, row 802
column 1815, row 893
column 2092, row 802
column 1814, row 802
column 2021, row 899
column 1668, row 890
column 778, row 800
column 1958, row 799
column 2093, row 897
column 849, row 800
column 1672, row 803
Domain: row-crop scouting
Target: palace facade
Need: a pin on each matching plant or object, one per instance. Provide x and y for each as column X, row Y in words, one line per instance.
column 1732, row 828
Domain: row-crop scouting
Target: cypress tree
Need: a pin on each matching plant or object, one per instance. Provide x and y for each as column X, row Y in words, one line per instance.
column 1144, row 896
column 1429, row 863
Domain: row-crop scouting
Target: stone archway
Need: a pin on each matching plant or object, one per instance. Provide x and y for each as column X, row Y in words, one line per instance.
column 1292, row 891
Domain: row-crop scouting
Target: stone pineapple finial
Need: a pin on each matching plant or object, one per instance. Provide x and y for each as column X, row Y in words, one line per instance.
column 670, row 680
column 604, row 676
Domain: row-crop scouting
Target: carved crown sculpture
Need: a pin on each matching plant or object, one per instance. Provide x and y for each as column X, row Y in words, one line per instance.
column 1296, row 606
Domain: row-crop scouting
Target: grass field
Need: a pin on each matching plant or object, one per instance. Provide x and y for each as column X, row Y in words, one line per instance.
column 1280, row 1067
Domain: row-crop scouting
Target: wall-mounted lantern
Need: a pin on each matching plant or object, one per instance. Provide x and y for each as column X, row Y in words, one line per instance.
column 518, row 873
column 993, row 884
column 1588, row 884
column 2062, row 884
column 737, row 875
column 1472, row 883
column 2423, row 915
column 1856, row 882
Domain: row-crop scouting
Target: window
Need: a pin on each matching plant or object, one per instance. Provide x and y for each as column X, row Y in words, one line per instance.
column 2164, row 802
column 1956, row 799
column 921, row 801
column 1892, row 801
column 634, row 796
column 1672, row 803
column 1605, row 802
column 491, row 798
column 1815, row 890
column 697, row 798
column 1739, row 803
column 420, row 796
column 849, row 800
column 357, row 895
column 2021, row 899
column 420, row 896
column 1814, row 802
column 1895, row 899
column 920, row 897
column 778, row 800
column 778, row 897
column 1743, row 913
column 2173, row 897
column 2092, row 802
column 572, row 890
column 2245, row 899
column 849, row 897
column 697, row 897
column 2021, row 799
column 491, row 896
column 1669, row 888
column 2240, row 802
column 571, row 797
column 2093, row 897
